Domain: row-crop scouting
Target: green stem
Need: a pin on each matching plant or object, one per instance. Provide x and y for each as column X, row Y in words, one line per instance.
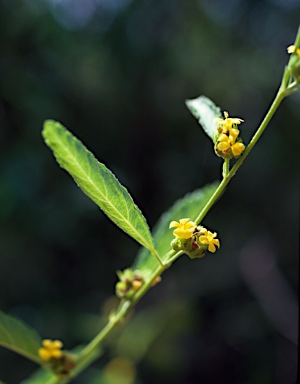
column 225, row 168
column 279, row 97
column 285, row 89
column 124, row 308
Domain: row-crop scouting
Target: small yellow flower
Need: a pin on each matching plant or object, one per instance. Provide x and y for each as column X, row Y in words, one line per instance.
column 51, row 349
column 184, row 228
column 226, row 142
column 208, row 238
column 229, row 122
column 292, row 49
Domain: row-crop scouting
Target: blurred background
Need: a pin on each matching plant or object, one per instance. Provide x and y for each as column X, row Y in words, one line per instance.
column 117, row 73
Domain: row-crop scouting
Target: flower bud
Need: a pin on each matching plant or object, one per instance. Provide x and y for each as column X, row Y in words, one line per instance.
column 130, row 282
column 294, row 66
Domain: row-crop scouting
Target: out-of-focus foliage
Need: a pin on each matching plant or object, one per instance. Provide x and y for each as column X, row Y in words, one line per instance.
column 117, row 72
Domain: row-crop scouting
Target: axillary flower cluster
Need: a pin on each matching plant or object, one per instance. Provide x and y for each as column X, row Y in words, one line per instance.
column 192, row 239
column 228, row 144
column 60, row 362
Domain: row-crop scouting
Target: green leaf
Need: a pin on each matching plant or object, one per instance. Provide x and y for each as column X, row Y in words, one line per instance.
column 187, row 207
column 41, row 376
column 18, row 337
column 205, row 112
column 97, row 182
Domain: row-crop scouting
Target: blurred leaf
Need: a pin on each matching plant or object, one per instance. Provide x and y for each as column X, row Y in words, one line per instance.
column 41, row 376
column 18, row 337
column 205, row 112
column 97, row 182
column 189, row 206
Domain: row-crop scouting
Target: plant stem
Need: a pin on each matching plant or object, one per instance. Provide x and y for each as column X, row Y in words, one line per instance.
column 125, row 306
column 227, row 177
column 225, row 168
column 123, row 309
column 285, row 89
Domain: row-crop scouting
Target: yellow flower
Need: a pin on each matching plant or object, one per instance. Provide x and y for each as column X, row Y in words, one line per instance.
column 51, row 349
column 228, row 142
column 208, row 238
column 292, row 49
column 185, row 228
column 226, row 124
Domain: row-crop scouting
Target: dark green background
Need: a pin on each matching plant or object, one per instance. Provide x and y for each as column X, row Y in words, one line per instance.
column 116, row 73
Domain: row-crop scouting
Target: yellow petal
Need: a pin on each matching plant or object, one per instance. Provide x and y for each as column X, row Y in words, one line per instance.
column 217, row 242
column 57, row 344
column 44, row 354
column 223, row 146
column 203, row 240
column 237, row 149
column 211, row 248
column 174, row 224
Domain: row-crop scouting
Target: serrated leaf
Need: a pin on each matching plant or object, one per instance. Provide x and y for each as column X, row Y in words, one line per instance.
column 205, row 112
column 97, row 182
column 18, row 337
column 187, row 207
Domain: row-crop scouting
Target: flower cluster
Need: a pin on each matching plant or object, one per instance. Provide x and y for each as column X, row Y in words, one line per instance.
column 58, row 361
column 130, row 282
column 228, row 144
column 192, row 239
column 51, row 350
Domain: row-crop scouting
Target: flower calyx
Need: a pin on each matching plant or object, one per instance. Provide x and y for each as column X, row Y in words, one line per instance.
column 228, row 144
column 55, row 359
column 199, row 241
column 130, row 282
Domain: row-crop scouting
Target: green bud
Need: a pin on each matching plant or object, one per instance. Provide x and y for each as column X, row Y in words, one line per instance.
column 121, row 289
column 178, row 244
column 130, row 282
column 294, row 66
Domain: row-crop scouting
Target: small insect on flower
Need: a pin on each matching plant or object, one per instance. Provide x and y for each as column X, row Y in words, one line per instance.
column 184, row 228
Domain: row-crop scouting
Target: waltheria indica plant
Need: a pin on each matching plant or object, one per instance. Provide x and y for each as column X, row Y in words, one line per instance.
column 180, row 231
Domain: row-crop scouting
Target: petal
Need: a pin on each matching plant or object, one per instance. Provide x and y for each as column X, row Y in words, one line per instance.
column 211, row 248
column 183, row 221
column 217, row 242
column 223, row 146
column 47, row 343
column 236, row 120
column 223, row 138
column 237, row 149
column 56, row 353
column 182, row 233
column 57, row 344
column 44, row 354
column 174, row 224
column 203, row 240
column 190, row 224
